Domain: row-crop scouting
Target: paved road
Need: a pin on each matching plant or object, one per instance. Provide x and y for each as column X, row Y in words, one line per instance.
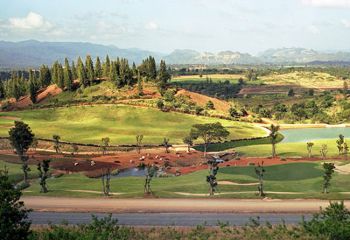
column 162, row 219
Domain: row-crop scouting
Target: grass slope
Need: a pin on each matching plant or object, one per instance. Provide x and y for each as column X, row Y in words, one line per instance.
column 88, row 124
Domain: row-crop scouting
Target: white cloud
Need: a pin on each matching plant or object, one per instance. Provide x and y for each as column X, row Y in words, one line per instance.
column 32, row 21
column 313, row 29
column 327, row 3
column 346, row 23
column 151, row 25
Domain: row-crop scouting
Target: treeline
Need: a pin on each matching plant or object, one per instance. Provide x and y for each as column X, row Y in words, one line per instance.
column 70, row 76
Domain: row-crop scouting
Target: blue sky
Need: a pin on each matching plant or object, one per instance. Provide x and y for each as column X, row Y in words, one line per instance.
column 164, row 25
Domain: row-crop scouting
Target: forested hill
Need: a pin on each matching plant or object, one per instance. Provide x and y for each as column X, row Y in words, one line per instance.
column 34, row 53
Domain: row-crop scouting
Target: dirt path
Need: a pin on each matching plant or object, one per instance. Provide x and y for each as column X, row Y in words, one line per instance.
column 65, row 204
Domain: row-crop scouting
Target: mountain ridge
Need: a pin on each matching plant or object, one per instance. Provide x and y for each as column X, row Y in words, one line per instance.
column 33, row 53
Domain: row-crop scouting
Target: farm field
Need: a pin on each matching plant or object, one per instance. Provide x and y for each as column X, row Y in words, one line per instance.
column 121, row 123
column 233, row 78
column 292, row 180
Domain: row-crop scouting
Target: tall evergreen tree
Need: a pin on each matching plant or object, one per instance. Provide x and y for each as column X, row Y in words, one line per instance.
column 45, row 76
column 89, row 65
column 82, row 73
column 74, row 71
column 68, row 79
column 60, row 76
column 113, row 75
column 163, row 76
column 98, row 68
column 107, row 67
column 2, row 90
column 32, row 86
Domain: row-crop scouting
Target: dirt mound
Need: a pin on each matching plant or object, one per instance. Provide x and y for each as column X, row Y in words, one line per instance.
column 42, row 94
column 51, row 90
column 202, row 100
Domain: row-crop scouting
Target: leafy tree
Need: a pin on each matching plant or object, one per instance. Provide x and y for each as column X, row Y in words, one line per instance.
column 13, row 215
column 151, row 171
column 333, row 223
column 327, row 176
column 324, row 151
column 166, row 144
column 21, row 137
column 273, row 136
column 75, row 148
column 210, row 105
column 68, row 78
column 56, row 143
column 98, row 68
column 189, row 141
column 160, row 104
column 113, row 74
column 139, row 142
column 340, row 144
column 106, row 179
column 211, row 178
column 90, row 73
column 209, row 132
column 43, row 168
column 105, row 144
column 233, row 112
column 291, row 93
column 345, row 150
column 309, row 146
column 260, row 172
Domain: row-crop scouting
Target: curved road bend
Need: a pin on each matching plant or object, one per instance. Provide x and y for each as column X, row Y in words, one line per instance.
column 165, row 219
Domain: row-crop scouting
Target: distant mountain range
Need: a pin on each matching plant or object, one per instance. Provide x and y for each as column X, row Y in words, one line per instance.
column 33, row 53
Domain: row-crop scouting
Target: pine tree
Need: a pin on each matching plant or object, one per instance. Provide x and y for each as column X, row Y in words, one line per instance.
column 82, row 73
column 139, row 84
column 2, row 90
column 60, row 76
column 68, row 79
column 113, row 75
column 32, row 86
column 106, row 67
column 74, row 71
column 89, row 65
column 45, row 76
column 163, row 77
column 98, row 69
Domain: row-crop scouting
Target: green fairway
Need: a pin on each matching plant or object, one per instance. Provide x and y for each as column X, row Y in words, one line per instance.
column 297, row 149
column 121, row 123
column 281, row 181
column 15, row 170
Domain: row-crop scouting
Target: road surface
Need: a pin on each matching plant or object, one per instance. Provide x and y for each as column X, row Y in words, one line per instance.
column 173, row 205
column 165, row 219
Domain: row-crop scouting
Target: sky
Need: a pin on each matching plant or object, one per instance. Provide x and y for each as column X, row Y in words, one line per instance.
column 250, row 26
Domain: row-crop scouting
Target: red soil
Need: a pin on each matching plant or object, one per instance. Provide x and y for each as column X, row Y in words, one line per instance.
column 202, row 100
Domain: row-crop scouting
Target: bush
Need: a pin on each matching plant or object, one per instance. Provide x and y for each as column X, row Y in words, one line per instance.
column 332, row 223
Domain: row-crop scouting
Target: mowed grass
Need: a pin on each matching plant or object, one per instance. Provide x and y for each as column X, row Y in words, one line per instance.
column 297, row 149
column 292, row 180
column 15, row 171
column 121, row 123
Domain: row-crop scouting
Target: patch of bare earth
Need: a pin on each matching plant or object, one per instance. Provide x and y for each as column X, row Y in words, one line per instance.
column 202, row 100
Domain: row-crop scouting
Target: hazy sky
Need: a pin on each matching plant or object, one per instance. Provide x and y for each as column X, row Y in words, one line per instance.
column 164, row 25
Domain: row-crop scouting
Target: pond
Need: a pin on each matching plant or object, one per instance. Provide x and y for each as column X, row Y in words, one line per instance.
column 310, row 134
column 131, row 172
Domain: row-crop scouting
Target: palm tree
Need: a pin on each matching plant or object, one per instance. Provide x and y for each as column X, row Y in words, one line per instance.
column 274, row 135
